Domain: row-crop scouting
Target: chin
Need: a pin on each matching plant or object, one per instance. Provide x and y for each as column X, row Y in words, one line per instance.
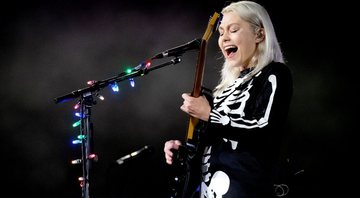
column 232, row 63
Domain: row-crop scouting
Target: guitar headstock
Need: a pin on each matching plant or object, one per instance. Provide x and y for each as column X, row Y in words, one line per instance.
column 212, row 26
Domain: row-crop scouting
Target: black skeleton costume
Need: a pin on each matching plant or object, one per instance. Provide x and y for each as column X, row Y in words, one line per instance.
column 244, row 133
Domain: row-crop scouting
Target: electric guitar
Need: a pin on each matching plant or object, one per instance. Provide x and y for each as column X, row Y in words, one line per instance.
column 187, row 160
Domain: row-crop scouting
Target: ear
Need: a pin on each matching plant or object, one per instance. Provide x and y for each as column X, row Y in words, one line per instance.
column 260, row 35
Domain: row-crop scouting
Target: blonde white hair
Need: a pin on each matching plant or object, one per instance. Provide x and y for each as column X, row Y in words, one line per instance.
column 267, row 51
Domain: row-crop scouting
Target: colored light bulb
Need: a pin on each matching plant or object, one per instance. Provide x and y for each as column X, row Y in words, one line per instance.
column 76, row 123
column 132, row 82
column 115, row 87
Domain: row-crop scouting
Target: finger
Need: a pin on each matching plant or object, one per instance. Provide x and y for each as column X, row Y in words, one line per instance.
column 185, row 95
column 169, row 158
column 184, row 108
column 177, row 142
column 168, row 161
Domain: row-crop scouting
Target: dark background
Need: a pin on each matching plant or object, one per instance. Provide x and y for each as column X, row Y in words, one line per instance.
column 50, row 48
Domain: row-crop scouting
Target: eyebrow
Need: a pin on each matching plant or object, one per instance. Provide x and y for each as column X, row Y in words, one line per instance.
column 231, row 24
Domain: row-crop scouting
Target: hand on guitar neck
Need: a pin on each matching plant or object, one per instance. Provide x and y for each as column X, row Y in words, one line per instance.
column 196, row 107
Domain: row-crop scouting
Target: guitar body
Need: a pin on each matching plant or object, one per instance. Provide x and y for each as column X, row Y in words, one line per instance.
column 187, row 166
column 187, row 160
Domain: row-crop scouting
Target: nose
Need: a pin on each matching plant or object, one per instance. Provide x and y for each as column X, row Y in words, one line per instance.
column 225, row 37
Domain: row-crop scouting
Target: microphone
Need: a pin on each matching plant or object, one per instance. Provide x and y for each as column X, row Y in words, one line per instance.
column 145, row 149
column 179, row 50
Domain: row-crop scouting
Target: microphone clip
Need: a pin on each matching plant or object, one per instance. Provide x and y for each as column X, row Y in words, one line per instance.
column 180, row 50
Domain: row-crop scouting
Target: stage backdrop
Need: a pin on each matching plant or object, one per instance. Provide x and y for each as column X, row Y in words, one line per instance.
column 51, row 48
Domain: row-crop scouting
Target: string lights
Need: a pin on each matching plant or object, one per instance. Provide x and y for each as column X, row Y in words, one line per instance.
column 87, row 98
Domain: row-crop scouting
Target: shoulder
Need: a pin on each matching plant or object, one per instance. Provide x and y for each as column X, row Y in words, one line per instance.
column 280, row 70
column 277, row 68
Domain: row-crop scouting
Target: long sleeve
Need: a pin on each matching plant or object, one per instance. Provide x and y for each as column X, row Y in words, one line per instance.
column 253, row 110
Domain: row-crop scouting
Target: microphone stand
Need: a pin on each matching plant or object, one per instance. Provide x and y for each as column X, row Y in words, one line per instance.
column 86, row 102
column 86, row 131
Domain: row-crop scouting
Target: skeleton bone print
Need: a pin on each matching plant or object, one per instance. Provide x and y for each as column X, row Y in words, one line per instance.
column 231, row 104
column 229, row 109
column 220, row 181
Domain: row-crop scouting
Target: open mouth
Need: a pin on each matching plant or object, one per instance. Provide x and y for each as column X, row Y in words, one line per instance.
column 230, row 50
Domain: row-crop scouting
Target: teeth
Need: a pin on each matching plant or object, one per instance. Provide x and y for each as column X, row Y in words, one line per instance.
column 229, row 47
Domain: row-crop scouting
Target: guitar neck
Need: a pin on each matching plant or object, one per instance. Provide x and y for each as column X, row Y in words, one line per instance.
column 199, row 73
